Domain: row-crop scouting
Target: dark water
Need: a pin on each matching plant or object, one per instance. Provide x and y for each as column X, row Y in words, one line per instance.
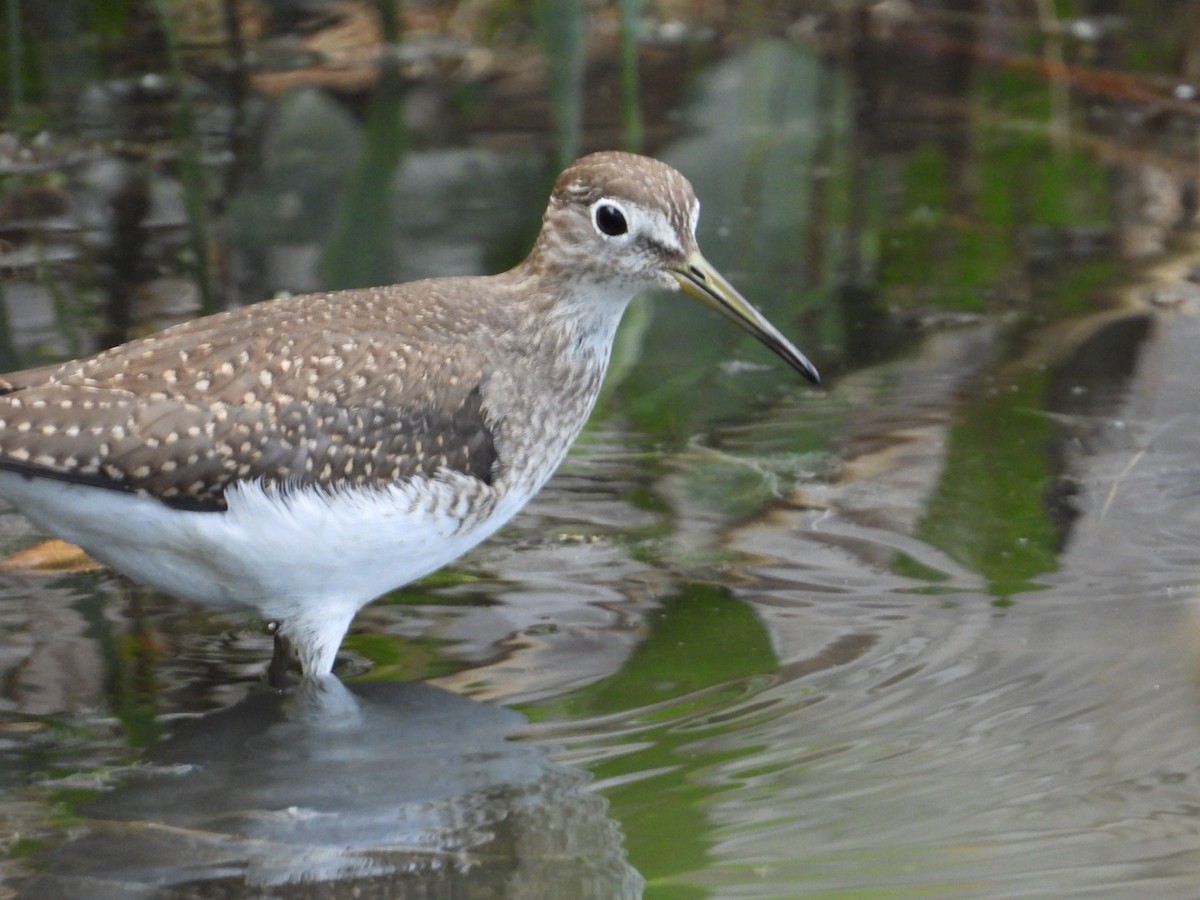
column 931, row 629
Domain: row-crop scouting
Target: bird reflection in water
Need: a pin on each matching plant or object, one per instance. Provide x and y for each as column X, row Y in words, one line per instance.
column 385, row 787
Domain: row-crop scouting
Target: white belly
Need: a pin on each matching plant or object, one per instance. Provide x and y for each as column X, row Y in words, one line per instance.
column 289, row 555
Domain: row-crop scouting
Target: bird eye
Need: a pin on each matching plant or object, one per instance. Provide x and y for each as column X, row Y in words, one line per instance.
column 610, row 220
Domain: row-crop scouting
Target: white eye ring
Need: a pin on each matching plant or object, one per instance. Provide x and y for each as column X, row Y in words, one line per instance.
column 610, row 218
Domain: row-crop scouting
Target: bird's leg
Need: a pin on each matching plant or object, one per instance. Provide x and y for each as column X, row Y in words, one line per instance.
column 285, row 669
column 306, row 643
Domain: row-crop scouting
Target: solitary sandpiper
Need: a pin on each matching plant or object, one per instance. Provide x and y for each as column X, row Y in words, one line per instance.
column 307, row 454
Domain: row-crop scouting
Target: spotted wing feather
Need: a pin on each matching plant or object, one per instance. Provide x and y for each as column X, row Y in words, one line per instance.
column 185, row 415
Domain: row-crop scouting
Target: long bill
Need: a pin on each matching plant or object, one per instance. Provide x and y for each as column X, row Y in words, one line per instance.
column 699, row 279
